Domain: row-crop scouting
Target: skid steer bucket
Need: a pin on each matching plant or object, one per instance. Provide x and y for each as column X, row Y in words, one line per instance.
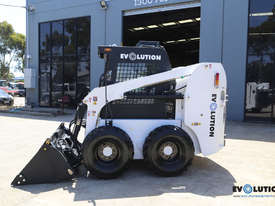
column 56, row 160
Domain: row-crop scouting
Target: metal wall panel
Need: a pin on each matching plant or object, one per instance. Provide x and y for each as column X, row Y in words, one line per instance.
column 211, row 31
column 234, row 54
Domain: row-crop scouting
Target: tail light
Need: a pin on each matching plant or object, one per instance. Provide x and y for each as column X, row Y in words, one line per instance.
column 108, row 49
column 217, row 80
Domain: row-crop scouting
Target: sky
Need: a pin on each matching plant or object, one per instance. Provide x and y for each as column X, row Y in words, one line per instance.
column 16, row 17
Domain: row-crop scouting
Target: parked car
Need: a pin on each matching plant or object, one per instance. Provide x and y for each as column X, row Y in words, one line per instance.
column 18, row 88
column 21, row 89
column 5, row 98
column 3, row 83
column 8, row 90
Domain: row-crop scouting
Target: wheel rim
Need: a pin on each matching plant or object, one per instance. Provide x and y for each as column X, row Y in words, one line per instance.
column 171, row 161
column 168, row 150
column 107, row 151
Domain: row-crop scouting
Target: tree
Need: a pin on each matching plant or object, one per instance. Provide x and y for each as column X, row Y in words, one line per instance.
column 12, row 49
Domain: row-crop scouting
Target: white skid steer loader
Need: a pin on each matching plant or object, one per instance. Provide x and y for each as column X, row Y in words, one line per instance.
column 143, row 109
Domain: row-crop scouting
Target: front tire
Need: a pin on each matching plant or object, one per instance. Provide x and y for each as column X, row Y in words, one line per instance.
column 168, row 150
column 106, row 152
column 11, row 103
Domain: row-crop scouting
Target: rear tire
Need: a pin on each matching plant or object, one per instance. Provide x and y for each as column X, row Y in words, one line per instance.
column 168, row 150
column 11, row 103
column 106, row 152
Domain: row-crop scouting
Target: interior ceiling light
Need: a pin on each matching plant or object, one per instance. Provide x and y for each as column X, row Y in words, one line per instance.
column 152, row 26
column 198, row 19
column 138, row 28
column 262, row 14
column 181, row 40
column 256, row 34
column 193, row 39
column 169, row 24
column 185, row 21
column 169, row 42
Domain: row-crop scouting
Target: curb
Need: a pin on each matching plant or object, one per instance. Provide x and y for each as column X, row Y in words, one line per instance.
column 47, row 114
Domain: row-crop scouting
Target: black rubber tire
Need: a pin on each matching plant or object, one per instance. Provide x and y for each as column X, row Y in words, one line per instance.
column 115, row 167
column 11, row 103
column 183, row 158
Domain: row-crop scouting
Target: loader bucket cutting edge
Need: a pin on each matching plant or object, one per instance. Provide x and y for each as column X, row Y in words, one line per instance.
column 49, row 165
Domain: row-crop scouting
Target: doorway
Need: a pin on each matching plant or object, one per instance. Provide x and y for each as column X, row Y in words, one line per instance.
column 177, row 30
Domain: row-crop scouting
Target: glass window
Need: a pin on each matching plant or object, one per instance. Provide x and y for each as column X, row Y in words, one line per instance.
column 83, row 36
column 45, row 89
column 64, row 61
column 260, row 72
column 70, row 82
column 57, row 82
column 83, row 73
column 57, row 38
column 69, row 38
column 260, row 6
column 83, row 53
column 57, row 73
column 45, row 67
column 45, row 39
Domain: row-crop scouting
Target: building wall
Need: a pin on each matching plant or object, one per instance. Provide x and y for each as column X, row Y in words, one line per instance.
column 234, row 54
column 223, row 35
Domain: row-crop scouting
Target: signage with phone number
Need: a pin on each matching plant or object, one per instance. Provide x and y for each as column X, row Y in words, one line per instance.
column 148, row 2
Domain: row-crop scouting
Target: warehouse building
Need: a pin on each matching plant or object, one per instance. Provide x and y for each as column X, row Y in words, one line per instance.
column 63, row 35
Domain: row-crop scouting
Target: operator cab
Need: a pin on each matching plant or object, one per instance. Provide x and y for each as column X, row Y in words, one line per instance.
column 125, row 63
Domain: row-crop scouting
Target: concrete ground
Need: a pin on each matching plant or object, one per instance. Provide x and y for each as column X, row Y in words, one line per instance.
column 248, row 158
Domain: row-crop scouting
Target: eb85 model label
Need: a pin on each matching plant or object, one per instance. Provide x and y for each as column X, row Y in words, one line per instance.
column 213, row 107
